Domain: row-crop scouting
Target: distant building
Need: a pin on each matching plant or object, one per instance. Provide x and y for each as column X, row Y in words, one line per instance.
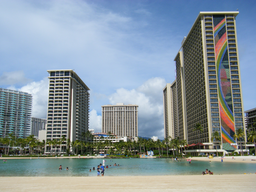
column 250, row 116
column 208, row 82
column 170, row 110
column 37, row 124
column 68, row 108
column 120, row 120
column 15, row 113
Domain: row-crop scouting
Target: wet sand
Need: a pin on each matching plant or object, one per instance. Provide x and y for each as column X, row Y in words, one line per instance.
column 233, row 159
column 243, row 182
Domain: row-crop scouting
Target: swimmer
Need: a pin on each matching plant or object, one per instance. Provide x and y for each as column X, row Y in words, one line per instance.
column 60, row 168
column 67, row 169
column 90, row 170
column 98, row 171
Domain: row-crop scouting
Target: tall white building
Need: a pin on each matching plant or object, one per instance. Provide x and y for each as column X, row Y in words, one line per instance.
column 170, row 110
column 120, row 119
column 68, row 108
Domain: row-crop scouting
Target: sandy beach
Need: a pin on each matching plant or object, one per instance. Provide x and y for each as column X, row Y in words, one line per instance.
column 243, row 182
column 233, row 159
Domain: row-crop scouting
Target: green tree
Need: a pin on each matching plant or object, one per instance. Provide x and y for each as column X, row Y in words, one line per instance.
column 239, row 135
column 252, row 138
column 216, row 138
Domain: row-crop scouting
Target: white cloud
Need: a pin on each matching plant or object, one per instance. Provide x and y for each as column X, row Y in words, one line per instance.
column 95, row 121
column 13, row 77
column 149, row 97
column 143, row 12
column 39, row 91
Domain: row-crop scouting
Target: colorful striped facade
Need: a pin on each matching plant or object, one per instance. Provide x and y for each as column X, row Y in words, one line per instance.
column 209, row 91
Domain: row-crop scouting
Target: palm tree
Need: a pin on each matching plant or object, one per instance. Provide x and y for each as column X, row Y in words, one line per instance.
column 216, row 137
column 239, row 135
column 76, row 143
column 198, row 128
column 31, row 142
column 183, row 143
column 167, row 143
column 252, row 138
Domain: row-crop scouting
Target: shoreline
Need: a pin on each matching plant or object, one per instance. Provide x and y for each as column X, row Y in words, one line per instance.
column 237, row 182
column 233, row 159
column 228, row 159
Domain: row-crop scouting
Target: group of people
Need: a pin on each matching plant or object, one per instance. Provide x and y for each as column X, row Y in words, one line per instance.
column 207, row 172
column 101, row 169
column 60, row 168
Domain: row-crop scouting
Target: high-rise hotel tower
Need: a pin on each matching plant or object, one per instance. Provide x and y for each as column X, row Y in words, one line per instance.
column 15, row 113
column 120, row 119
column 170, row 110
column 68, row 108
column 208, row 82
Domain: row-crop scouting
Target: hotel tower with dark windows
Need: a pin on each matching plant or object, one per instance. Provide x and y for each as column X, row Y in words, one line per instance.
column 68, row 109
column 208, row 83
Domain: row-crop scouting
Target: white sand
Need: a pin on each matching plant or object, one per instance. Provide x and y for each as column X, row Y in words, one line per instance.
column 137, row 183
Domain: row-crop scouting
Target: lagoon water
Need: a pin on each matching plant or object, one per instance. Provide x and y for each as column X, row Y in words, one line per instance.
column 127, row 167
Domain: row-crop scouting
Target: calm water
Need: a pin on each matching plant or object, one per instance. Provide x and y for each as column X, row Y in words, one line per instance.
column 128, row 167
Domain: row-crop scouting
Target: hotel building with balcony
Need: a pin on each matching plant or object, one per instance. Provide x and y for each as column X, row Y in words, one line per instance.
column 170, row 110
column 68, row 108
column 208, row 82
column 120, row 120
column 15, row 113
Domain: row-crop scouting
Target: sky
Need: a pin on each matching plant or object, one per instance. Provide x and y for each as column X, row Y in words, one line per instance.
column 123, row 50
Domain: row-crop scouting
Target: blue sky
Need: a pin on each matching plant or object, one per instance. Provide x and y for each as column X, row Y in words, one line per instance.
column 122, row 49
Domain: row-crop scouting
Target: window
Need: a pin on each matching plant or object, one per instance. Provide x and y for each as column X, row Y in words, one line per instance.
column 214, row 104
column 238, row 114
column 209, row 45
column 215, row 110
column 213, row 86
column 213, row 77
column 213, row 90
column 211, row 68
column 210, row 58
column 211, row 72
column 235, row 81
column 239, row 119
column 238, row 110
column 215, row 119
column 233, row 59
column 215, row 114
column 237, row 105
column 214, row 100
column 234, row 77
column 210, row 54
column 237, row 100
column 209, row 41
column 210, row 50
column 213, row 95
column 236, row 95
column 234, row 72
column 52, row 74
column 234, row 67
column 66, row 73
column 212, row 81
column 236, row 90
column 211, row 63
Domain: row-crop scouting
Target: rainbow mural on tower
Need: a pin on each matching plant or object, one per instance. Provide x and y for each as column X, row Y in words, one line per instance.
column 223, row 78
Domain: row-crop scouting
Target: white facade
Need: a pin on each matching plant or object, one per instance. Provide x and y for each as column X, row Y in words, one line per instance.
column 68, row 108
column 120, row 119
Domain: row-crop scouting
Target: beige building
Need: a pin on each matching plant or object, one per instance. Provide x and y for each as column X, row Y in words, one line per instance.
column 208, row 82
column 120, row 120
column 170, row 110
column 68, row 108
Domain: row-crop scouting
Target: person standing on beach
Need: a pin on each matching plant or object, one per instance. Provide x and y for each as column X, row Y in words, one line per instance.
column 98, row 171
column 102, row 170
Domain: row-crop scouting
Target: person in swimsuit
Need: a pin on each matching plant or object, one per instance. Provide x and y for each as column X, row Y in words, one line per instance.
column 60, row 168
